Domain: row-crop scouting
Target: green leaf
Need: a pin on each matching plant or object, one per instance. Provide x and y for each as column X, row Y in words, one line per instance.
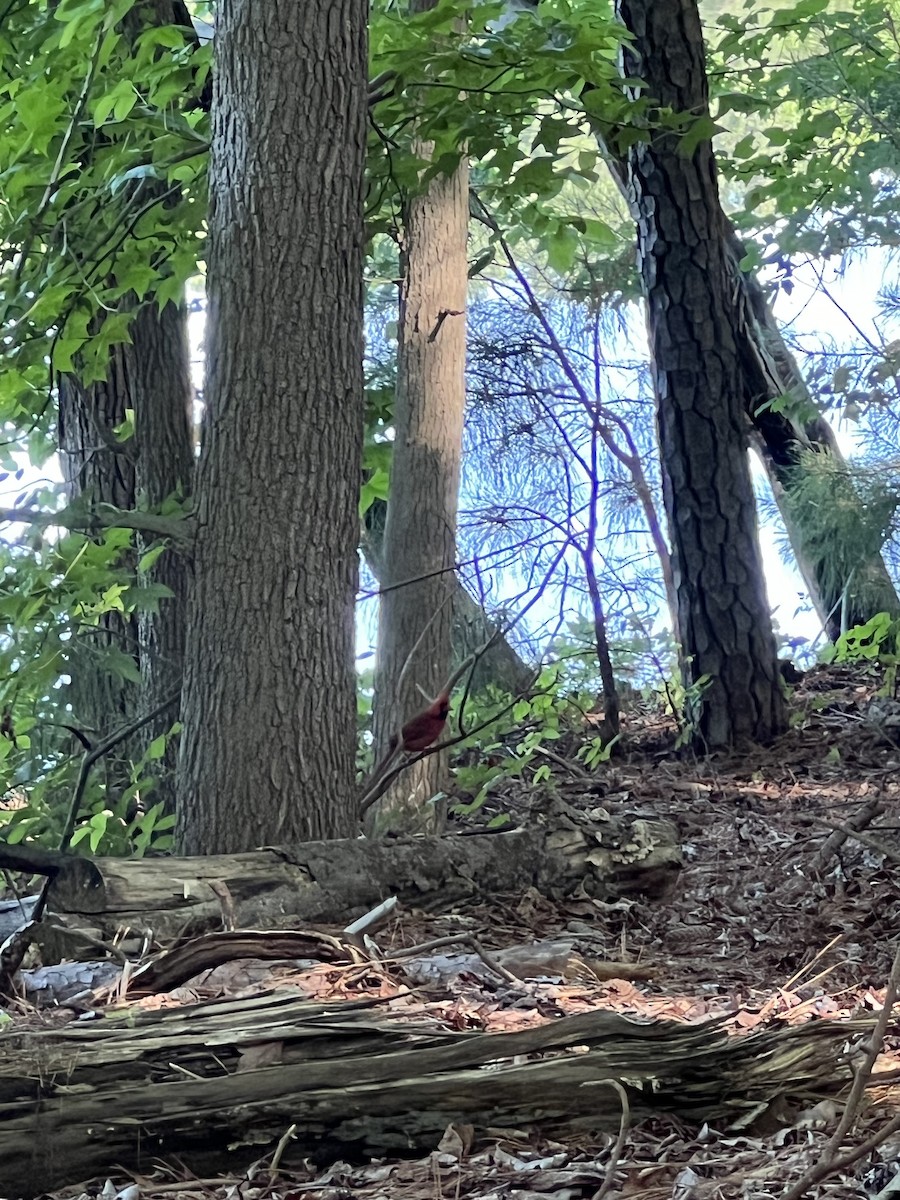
column 375, row 488
column 746, row 147
column 118, row 663
column 700, row 130
column 152, row 555
column 157, row 748
column 562, row 246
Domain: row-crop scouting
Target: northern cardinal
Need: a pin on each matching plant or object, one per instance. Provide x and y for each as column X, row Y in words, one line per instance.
column 421, row 731
column 418, row 733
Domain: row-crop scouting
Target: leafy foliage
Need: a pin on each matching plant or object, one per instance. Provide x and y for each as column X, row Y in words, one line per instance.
column 848, row 516
column 103, row 186
column 823, row 85
column 877, row 641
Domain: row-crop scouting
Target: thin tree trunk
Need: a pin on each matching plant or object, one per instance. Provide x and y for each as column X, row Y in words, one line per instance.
column 163, row 397
column 723, row 612
column 610, row 725
column 97, row 469
column 269, row 698
column 416, row 621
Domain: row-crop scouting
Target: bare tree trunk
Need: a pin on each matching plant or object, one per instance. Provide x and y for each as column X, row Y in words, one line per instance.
column 610, row 725
column 415, row 629
column 723, row 612
column 269, row 699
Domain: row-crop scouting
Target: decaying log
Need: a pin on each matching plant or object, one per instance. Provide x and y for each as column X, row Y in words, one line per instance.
column 217, row 1084
column 335, row 881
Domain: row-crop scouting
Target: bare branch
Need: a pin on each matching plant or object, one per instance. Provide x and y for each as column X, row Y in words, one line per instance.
column 103, row 516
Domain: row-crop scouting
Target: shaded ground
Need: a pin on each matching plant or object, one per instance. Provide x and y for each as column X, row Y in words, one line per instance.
column 778, row 916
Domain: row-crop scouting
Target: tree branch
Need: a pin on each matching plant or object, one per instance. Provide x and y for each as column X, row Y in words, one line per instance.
column 104, row 516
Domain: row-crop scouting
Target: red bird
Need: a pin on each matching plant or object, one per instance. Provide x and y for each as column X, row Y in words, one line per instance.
column 421, row 731
column 417, row 734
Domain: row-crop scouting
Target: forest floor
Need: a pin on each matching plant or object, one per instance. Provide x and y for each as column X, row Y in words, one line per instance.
column 777, row 918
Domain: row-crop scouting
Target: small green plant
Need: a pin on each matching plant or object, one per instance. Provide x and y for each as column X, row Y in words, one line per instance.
column 596, row 752
column 877, row 641
column 110, row 824
column 541, row 720
column 690, row 702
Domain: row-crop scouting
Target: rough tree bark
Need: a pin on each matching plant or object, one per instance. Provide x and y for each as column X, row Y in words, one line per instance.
column 96, row 468
column 724, row 618
column 269, row 698
column 215, row 1085
column 341, row 879
column 163, row 397
column 770, row 372
column 415, row 628
column 150, row 376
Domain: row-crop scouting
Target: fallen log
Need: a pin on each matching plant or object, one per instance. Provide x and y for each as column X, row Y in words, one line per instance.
column 335, row 881
column 215, row 1084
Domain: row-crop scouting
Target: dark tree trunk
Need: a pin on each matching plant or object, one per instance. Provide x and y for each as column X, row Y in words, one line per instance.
column 770, row 372
column 416, row 620
column 723, row 612
column 269, row 702
column 163, row 397
column 150, row 376
column 97, row 469
column 610, row 694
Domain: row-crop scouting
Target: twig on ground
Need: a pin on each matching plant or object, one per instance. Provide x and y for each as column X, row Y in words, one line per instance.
column 463, row 939
column 865, row 839
column 616, row 1152
column 798, row 975
column 828, row 1163
column 572, row 767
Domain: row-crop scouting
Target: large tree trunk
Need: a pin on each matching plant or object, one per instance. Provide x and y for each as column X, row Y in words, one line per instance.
column 770, row 372
column 723, row 612
column 269, row 700
column 415, row 630
column 162, row 395
column 150, row 375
